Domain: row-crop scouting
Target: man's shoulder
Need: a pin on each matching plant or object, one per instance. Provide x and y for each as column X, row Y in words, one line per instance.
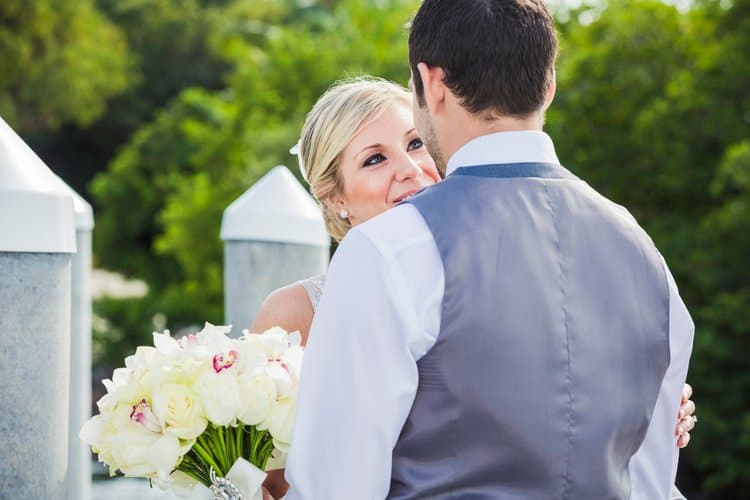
column 394, row 230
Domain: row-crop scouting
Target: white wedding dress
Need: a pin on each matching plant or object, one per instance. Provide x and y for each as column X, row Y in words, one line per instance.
column 314, row 288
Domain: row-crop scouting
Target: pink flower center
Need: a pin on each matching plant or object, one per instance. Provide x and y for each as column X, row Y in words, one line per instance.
column 142, row 414
column 222, row 361
column 281, row 363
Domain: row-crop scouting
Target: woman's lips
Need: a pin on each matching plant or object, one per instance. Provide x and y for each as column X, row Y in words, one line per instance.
column 405, row 196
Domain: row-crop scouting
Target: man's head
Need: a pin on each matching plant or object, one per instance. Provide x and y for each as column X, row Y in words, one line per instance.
column 495, row 57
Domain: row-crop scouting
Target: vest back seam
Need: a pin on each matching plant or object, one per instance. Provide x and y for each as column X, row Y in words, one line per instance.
column 553, row 215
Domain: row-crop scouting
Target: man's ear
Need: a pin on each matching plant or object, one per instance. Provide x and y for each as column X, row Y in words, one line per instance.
column 434, row 86
column 550, row 92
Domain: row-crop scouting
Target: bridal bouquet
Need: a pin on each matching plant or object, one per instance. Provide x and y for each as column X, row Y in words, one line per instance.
column 200, row 409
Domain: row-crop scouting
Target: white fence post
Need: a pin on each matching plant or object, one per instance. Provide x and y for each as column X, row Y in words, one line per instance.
column 79, row 455
column 37, row 243
column 273, row 235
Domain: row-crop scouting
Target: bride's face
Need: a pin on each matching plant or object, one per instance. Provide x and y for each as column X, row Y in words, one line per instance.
column 384, row 164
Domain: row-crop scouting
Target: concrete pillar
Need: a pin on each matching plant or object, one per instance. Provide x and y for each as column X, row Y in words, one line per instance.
column 273, row 235
column 79, row 455
column 37, row 243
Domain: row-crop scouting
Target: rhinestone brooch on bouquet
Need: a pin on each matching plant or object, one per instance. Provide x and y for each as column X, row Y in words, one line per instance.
column 223, row 489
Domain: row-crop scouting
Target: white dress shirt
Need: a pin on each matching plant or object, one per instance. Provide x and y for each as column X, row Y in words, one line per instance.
column 380, row 313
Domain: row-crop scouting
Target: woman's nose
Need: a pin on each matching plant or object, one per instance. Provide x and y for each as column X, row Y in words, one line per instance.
column 407, row 168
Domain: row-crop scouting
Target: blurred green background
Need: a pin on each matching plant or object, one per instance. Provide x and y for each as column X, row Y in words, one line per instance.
column 161, row 112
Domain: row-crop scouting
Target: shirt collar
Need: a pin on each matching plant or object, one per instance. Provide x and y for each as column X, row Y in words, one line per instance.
column 526, row 146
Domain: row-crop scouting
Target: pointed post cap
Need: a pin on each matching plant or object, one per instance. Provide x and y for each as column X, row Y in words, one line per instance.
column 84, row 214
column 276, row 209
column 36, row 207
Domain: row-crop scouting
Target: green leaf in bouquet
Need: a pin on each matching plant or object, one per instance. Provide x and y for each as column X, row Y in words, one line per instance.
column 219, row 447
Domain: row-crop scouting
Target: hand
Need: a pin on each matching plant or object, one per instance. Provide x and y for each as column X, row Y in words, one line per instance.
column 266, row 494
column 686, row 418
column 275, row 484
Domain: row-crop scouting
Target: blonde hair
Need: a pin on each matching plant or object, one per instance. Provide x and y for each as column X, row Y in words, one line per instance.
column 336, row 118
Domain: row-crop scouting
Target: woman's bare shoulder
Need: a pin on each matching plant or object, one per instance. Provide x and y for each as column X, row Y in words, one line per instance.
column 288, row 307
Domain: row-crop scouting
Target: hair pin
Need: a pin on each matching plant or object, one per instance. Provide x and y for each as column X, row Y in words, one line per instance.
column 296, row 150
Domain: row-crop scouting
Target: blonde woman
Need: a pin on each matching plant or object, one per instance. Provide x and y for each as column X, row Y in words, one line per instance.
column 361, row 155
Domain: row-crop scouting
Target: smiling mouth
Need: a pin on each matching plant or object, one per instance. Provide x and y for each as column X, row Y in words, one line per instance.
column 405, row 196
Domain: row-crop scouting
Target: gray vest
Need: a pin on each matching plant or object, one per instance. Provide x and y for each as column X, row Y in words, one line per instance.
column 553, row 343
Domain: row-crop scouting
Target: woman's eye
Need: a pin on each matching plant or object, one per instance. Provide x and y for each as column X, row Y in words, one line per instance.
column 415, row 144
column 374, row 160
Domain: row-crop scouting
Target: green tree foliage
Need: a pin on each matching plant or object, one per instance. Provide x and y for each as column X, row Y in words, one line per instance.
column 59, row 61
column 169, row 49
column 720, row 367
column 611, row 72
column 169, row 39
column 705, row 113
column 168, row 186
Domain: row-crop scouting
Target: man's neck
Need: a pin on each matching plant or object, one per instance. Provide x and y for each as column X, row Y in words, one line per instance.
column 475, row 126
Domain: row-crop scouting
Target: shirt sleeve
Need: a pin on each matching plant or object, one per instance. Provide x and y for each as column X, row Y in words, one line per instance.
column 654, row 466
column 359, row 378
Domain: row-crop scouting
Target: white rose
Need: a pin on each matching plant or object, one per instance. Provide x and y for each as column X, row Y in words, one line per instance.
column 257, row 395
column 180, row 410
column 220, row 395
column 280, row 422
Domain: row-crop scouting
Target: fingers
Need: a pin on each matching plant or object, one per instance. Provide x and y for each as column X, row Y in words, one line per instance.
column 689, row 423
column 686, row 425
column 267, row 495
column 686, row 409
column 683, row 440
column 686, row 418
column 687, row 393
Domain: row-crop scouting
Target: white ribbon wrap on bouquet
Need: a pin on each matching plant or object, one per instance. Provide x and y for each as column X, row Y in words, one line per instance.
column 247, row 478
column 243, row 478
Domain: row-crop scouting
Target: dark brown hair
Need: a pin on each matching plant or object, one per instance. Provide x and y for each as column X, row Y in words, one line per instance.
column 498, row 55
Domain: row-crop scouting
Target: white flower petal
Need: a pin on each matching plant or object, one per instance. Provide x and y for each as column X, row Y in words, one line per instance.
column 220, row 395
column 281, row 421
column 165, row 344
column 92, row 430
column 180, row 409
column 257, row 394
column 209, row 329
column 285, row 385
